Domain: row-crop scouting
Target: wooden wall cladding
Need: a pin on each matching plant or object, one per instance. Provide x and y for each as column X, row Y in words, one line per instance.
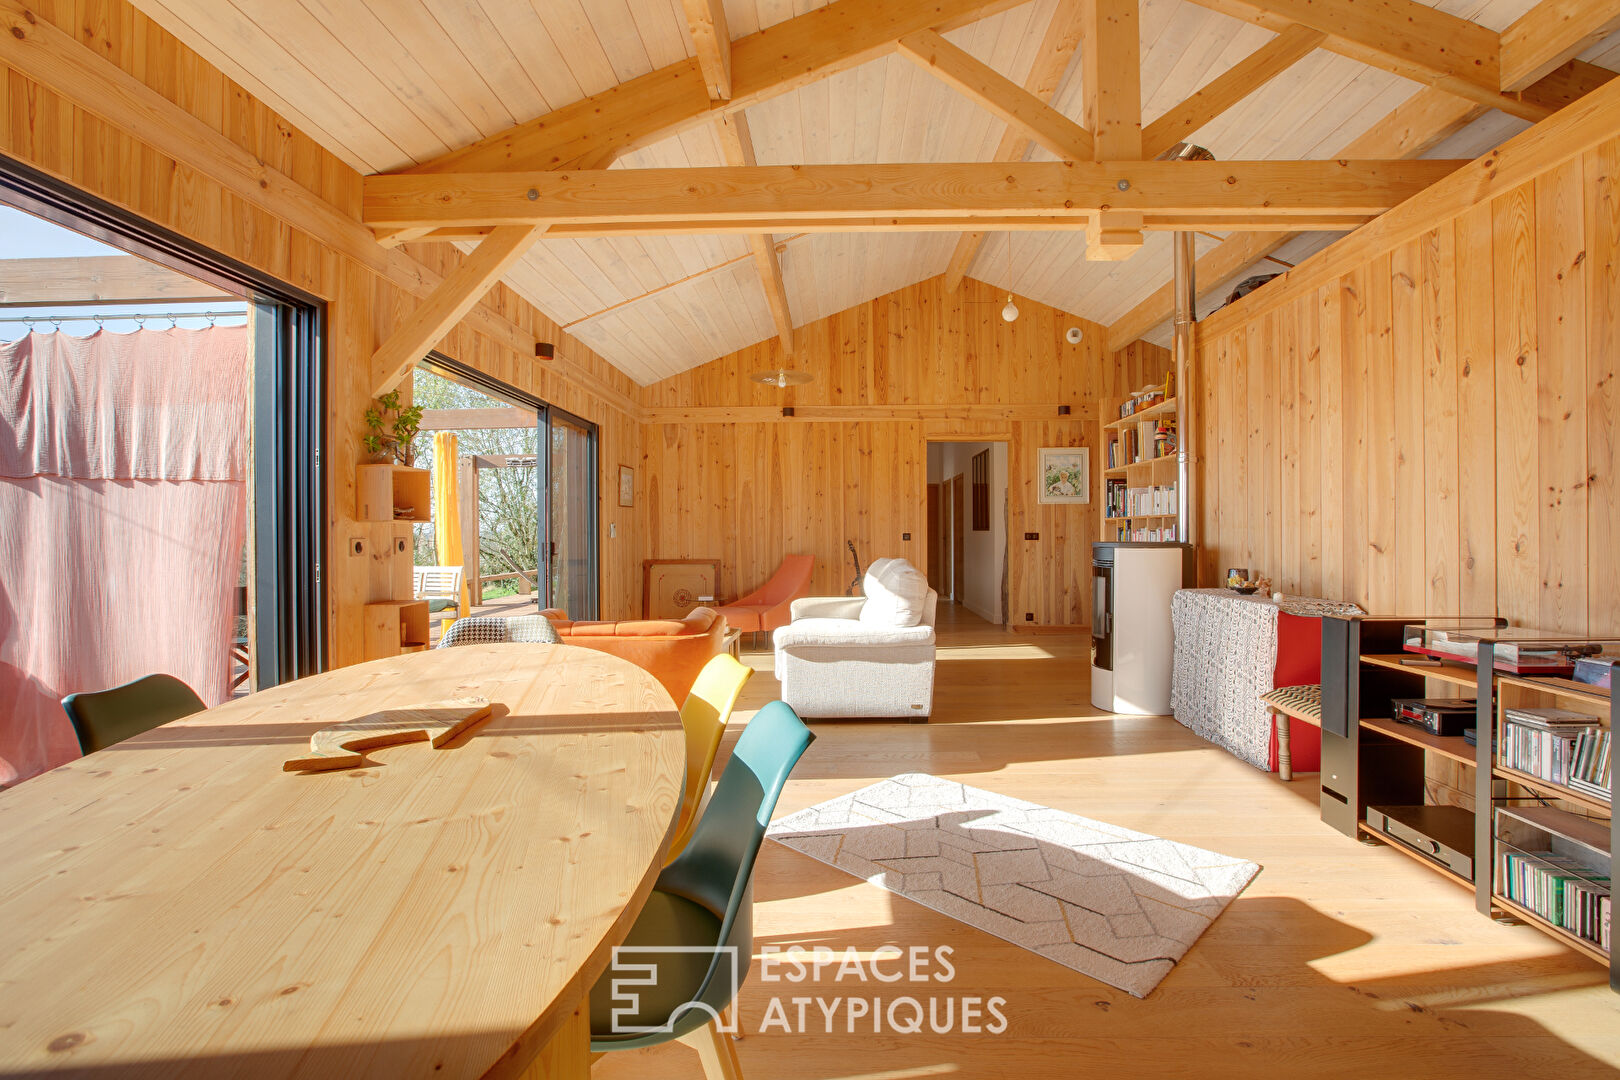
column 97, row 95
column 729, row 477
column 1430, row 427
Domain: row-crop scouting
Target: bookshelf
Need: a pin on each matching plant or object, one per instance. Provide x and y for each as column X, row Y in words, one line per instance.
column 395, row 621
column 1139, row 472
column 1536, row 842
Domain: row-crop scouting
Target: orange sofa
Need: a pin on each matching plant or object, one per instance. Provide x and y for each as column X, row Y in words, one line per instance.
column 673, row 650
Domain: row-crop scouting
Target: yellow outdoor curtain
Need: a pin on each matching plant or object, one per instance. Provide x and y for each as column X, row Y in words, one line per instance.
column 447, row 510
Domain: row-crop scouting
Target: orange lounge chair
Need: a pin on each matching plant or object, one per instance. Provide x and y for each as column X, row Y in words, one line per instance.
column 768, row 607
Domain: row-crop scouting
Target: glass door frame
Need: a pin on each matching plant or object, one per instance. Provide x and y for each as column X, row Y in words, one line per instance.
column 449, row 367
column 289, row 414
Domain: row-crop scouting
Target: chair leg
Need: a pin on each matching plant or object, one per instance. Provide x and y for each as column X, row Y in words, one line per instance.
column 728, row 1017
column 1285, row 758
column 718, row 1055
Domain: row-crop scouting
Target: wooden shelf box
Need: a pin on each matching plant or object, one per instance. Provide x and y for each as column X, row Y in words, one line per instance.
column 394, row 627
column 380, row 489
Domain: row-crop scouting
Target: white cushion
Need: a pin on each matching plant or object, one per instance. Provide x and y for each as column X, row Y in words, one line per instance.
column 896, row 594
column 841, row 633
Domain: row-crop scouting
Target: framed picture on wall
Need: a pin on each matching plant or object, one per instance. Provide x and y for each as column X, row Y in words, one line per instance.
column 1063, row 474
column 627, row 486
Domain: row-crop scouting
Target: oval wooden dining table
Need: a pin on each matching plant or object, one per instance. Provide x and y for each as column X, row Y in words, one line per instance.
column 178, row 906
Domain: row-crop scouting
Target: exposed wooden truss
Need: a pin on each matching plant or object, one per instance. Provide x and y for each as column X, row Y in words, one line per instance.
column 1201, row 194
column 738, row 146
column 1057, row 49
column 444, row 307
column 1111, row 65
column 477, row 419
column 706, row 19
column 96, row 279
column 1550, row 34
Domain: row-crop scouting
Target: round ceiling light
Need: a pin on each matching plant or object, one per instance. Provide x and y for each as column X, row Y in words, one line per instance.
column 782, row 378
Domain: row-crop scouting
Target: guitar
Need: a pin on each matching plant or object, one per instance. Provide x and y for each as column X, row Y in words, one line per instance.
column 855, row 581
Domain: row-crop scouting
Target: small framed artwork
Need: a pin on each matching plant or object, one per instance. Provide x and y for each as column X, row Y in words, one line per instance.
column 627, row 486
column 1064, row 474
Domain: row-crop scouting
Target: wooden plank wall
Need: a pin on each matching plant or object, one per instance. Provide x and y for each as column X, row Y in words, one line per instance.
column 1431, row 427
column 181, row 184
column 729, row 478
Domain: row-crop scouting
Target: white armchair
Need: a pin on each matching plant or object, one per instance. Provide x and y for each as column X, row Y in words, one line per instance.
column 862, row 656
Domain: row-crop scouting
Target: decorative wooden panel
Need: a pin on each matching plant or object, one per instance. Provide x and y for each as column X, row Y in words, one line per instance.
column 728, row 475
column 190, row 176
column 1446, row 430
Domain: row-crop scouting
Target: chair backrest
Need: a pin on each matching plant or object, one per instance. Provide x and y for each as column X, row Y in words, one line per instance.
column 438, row 581
column 791, row 580
column 103, row 717
column 717, row 866
column 704, row 715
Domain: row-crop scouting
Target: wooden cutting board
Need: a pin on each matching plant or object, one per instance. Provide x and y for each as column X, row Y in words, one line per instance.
column 343, row 746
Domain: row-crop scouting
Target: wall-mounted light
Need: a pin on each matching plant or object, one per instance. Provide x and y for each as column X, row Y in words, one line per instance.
column 544, row 350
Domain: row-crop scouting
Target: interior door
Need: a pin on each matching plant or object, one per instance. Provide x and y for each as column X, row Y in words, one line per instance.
column 570, row 558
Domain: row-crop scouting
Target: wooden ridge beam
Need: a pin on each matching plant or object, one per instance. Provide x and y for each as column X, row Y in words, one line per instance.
column 1551, row 34
column 773, row 61
column 706, row 20
column 1052, row 57
column 455, row 297
column 97, row 279
column 793, row 195
column 756, row 414
column 997, row 94
column 738, row 145
column 477, row 419
column 1406, row 37
column 1111, row 65
column 1410, row 129
column 1232, row 86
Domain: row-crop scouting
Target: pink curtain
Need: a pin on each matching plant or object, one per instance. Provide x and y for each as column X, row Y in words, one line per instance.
column 123, row 465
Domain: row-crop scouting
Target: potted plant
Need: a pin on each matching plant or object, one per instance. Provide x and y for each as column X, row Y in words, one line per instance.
column 391, row 430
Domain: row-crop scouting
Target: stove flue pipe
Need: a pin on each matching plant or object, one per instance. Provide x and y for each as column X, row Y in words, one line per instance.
column 1185, row 255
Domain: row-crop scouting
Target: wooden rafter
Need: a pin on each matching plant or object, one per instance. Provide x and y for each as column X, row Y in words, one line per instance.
column 738, row 146
column 998, row 94
column 1111, row 65
column 1551, row 34
column 1057, row 49
column 1410, row 129
column 1409, row 38
column 773, row 61
column 1229, row 88
column 784, row 196
column 706, row 19
column 444, row 307
column 96, row 279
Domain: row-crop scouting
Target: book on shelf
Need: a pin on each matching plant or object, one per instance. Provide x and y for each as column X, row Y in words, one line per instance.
column 1548, row 718
column 1560, row 890
column 1543, row 747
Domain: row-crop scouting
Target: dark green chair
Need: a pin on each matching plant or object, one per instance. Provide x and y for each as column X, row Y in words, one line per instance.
column 701, row 904
column 103, row 717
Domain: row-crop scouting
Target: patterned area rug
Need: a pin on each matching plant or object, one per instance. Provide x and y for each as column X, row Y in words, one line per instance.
column 1117, row 905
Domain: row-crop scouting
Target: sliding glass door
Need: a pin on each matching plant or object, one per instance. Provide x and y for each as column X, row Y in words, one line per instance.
column 570, row 477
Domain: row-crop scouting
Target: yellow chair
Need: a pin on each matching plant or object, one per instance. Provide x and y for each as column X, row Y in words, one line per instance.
column 704, row 716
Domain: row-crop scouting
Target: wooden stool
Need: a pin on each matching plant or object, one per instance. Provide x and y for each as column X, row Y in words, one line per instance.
column 1287, row 704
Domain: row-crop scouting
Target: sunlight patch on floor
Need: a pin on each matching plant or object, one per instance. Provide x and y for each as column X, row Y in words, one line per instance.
column 993, row 652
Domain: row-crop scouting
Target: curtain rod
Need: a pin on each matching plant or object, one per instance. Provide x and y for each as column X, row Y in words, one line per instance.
column 137, row 316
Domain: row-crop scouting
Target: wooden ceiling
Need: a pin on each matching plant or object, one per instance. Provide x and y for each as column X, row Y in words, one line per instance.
column 392, row 84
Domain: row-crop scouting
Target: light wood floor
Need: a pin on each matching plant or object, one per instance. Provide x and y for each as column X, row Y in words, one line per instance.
column 1339, row 960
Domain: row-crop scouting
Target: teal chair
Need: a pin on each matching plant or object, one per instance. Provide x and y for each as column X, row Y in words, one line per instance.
column 702, row 904
column 103, row 717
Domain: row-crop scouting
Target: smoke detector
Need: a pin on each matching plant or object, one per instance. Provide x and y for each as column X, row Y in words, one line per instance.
column 1073, row 336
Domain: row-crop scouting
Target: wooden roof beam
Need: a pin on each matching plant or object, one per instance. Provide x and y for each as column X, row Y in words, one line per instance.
column 1230, row 87
column 455, row 296
column 787, row 195
column 738, row 146
column 1551, row 34
column 97, row 279
column 1111, row 65
column 773, row 61
column 1052, row 57
column 996, row 93
column 1406, row 37
column 706, row 20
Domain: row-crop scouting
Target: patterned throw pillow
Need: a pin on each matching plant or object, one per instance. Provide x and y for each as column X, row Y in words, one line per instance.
column 485, row 630
column 1302, row 701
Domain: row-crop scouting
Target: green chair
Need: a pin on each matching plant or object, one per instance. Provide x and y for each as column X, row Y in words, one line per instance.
column 103, row 717
column 702, row 905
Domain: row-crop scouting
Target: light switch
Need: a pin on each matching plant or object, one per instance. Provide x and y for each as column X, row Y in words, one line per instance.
column 613, row 529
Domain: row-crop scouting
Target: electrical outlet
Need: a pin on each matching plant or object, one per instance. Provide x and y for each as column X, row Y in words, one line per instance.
column 1029, row 616
column 1032, row 536
column 905, row 536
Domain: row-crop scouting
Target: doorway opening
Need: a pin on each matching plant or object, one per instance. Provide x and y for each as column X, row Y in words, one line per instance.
column 967, row 526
